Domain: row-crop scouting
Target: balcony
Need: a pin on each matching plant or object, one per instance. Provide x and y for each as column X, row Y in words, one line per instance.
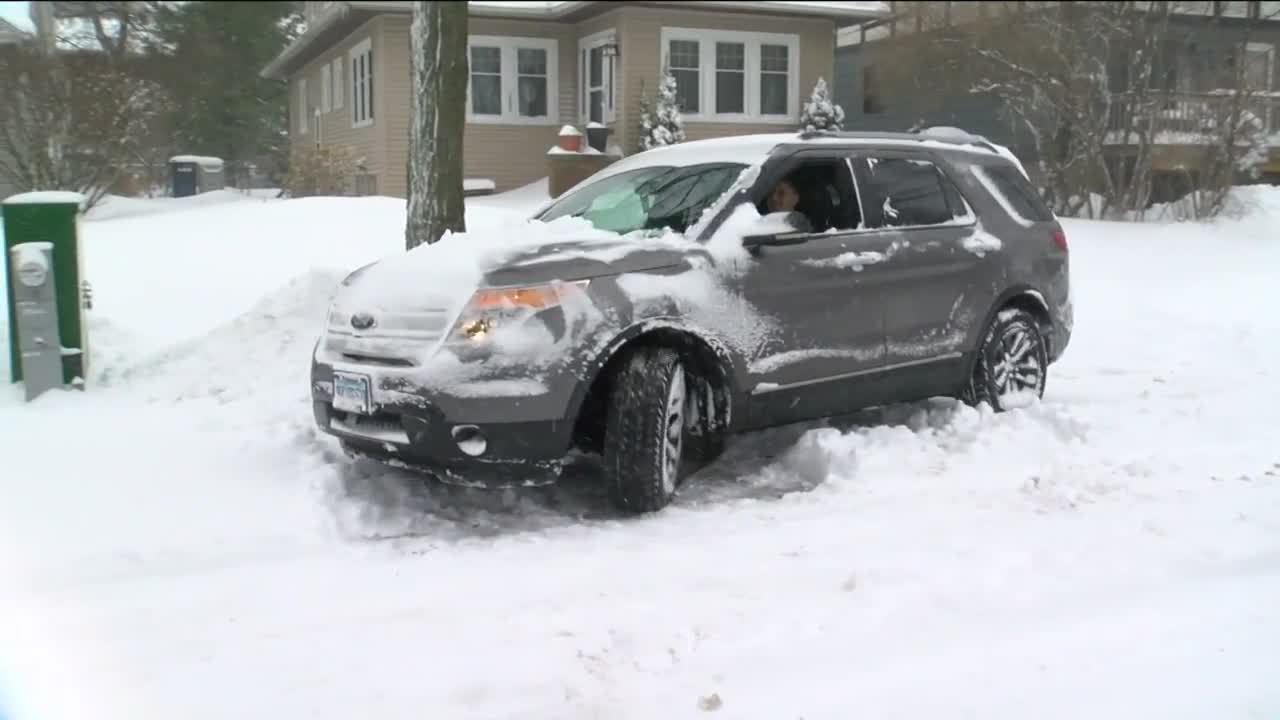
column 1187, row 118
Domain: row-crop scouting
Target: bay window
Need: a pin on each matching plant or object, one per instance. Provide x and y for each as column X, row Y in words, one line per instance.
column 512, row 80
column 728, row 76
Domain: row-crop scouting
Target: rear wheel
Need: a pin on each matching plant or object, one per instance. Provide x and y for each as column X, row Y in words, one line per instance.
column 1013, row 362
column 644, row 437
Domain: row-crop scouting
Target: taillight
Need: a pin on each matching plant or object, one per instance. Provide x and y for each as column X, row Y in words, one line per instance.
column 1060, row 239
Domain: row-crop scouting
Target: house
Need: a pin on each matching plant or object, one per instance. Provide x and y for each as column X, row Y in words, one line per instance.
column 536, row 66
column 1204, row 43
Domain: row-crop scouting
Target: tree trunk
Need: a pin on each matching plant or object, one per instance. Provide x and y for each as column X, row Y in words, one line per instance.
column 438, row 42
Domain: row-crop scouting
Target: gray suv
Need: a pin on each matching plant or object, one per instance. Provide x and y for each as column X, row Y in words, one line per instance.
column 698, row 291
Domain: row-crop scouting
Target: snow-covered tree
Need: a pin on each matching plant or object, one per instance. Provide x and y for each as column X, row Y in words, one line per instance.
column 820, row 112
column 666, row 125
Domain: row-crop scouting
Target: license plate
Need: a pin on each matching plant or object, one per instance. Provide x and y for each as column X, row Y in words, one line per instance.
column 351, row 393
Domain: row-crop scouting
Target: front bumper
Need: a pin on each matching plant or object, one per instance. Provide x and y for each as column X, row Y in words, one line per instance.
column 524, row 439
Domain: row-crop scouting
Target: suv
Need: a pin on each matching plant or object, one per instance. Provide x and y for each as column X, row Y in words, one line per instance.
column 662, row 305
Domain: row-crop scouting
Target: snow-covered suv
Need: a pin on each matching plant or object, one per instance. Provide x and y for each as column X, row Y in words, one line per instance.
column 689, row 293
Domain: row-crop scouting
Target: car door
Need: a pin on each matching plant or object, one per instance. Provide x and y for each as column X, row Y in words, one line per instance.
column 823, row 300
column 936, row 274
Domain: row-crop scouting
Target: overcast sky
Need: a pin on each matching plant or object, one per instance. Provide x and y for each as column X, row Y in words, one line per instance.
column 16, row 13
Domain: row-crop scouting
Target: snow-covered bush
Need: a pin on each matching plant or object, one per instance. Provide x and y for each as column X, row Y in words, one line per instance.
column 666, row 125
column 820, row 112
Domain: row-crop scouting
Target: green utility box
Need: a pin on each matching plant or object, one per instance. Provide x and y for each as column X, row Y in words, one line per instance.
column 54, row 218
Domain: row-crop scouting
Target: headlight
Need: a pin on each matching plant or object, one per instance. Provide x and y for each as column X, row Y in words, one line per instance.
column 493, row 308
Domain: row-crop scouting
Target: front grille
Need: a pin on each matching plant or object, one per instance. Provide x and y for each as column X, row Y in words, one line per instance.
column 396, row 339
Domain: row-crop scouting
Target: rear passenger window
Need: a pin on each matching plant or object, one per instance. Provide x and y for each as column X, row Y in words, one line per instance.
column 1014, row 189
column 902, row 192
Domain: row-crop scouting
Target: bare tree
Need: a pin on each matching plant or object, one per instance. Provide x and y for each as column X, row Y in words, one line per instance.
column 438, row 41
column 71, row 122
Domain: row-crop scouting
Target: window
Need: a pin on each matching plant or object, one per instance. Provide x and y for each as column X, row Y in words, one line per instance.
column 1259, row 61
column 826, row 195
column 513, row 80
column 339, row 90
column 905, row 192
column 733, row 76
column 362, row 85
column 597, row 76
column 648, row 199
column 326, row 88
column 1013, row 191
column 684, row 60
column 303, row 111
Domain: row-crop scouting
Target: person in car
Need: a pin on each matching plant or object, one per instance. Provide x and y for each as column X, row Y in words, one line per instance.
column 783, row 199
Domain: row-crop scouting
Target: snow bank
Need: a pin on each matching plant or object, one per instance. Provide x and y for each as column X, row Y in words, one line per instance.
column 202, row 553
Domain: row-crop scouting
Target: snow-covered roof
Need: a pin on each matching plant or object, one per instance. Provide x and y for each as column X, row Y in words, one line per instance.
column 204, row 161
column 751, row 149
column 46, row 197
column 330, row 26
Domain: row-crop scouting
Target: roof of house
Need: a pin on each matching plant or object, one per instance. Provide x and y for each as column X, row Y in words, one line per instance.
column 343, row 17
column 10, row 33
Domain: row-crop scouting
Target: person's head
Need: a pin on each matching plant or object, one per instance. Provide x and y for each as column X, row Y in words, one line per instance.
column 784, row 197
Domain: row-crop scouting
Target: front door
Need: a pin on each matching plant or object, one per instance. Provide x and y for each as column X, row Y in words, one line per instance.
column 821, row 298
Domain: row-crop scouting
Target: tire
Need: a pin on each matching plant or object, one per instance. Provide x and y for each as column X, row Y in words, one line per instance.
column 644, row 430
column 1012, row 362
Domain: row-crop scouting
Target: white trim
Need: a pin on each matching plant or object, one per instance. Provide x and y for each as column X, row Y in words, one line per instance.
column 707, row 40
column 304, row 118
column 610, row 76
column 326, row 88
column 508, row 48
column 340, row 88
column 362, row 110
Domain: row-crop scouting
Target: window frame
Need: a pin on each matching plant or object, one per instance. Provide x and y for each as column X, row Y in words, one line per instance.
column 707, row 73
column 509, row 47
column 304, row 119
column 969, row 218
column 326, row 88
column 363, row 48
column 609, row 76
column 339, row 89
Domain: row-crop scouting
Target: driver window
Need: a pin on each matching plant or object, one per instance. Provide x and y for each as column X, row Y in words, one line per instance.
column 815, row 196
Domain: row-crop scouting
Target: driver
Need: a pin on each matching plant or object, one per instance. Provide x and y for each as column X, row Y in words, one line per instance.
column 783, row 199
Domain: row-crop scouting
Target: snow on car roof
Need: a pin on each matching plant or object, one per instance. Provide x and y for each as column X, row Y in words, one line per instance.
column 753, row 149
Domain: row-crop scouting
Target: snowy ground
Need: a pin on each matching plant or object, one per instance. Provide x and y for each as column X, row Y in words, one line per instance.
column 179, row 541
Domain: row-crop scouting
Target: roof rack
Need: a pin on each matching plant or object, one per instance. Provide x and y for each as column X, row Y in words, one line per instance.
column 969, row 139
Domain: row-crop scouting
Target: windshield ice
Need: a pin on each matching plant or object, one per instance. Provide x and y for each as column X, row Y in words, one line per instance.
column 649, row 198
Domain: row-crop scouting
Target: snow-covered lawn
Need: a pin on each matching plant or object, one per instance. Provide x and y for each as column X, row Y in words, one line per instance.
column 178, row 542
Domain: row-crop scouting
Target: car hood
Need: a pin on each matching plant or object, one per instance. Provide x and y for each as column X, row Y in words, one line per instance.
column 445, row 274
column 580, row 259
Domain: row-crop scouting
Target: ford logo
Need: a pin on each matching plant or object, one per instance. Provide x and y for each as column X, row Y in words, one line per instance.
column 362, row 321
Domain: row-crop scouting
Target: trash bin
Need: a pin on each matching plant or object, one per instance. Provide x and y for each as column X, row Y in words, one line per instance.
column 195, row 174
column 597, row 136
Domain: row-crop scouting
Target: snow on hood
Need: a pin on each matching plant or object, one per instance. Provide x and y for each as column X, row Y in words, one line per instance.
column 446, row 273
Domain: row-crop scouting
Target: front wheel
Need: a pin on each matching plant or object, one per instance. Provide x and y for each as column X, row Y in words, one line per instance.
column 1013, row 362
column 644, row 434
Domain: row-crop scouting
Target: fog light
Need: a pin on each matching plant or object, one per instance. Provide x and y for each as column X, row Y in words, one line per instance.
column 470, row 440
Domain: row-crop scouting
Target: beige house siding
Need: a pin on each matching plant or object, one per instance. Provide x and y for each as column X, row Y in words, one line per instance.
column 640, row 40
column 510, row 155
column 367, row 144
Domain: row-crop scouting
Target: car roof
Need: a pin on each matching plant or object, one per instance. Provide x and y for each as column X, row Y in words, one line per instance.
column 755, row 148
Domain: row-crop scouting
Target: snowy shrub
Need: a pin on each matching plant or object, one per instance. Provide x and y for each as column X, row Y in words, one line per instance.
column 820, row 113
column 666, row 125
column 319, row 171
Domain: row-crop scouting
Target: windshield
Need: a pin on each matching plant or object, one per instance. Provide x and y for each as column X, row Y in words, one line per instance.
column 650, row 198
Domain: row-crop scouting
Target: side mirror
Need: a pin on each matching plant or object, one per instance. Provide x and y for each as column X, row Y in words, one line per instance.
column 773, row 230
